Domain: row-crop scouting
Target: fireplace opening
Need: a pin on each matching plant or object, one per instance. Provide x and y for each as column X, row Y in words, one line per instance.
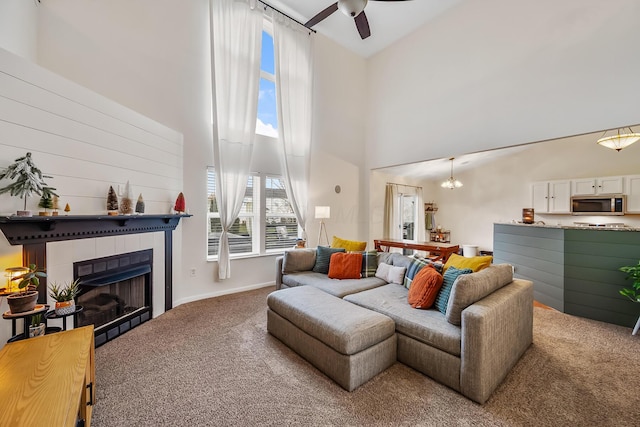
column 115, row 293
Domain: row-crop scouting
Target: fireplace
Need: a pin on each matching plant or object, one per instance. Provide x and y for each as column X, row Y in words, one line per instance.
column 115, row 293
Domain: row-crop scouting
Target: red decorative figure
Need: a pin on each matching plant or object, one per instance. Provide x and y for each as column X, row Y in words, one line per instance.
column 180, row 204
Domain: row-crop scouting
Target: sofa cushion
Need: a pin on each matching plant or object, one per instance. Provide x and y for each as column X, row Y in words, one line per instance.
column 470, row 288
column 390, row 273
column 475, row 263
column 340, row 325
column 449, row 278
column 427, row 326
column 424, row 288
column 394, row 258
column 335, row 287
column 345, row 266
column 369, row 263
column 297, row 260
column 413, row 269
column 323, row 257
column 349, row 245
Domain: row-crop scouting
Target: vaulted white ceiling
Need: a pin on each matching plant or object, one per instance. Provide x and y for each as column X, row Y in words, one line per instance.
column 389, row 21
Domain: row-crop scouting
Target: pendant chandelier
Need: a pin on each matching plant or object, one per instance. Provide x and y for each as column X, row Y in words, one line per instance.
column 620, row 140
column 451, row 183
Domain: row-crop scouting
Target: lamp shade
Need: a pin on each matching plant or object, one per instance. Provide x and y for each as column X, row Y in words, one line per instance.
column 620, row 140
column 323, row 212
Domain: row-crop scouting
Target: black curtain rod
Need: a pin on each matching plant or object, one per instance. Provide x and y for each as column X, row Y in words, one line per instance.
column 404, row 185
column 266, row 5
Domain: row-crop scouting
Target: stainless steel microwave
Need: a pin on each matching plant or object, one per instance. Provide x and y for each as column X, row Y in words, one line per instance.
column 606, row 204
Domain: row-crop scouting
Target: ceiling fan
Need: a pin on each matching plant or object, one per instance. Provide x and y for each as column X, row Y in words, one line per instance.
column 353, row 8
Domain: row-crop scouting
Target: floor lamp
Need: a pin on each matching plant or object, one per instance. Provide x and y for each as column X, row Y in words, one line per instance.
column 322, row 213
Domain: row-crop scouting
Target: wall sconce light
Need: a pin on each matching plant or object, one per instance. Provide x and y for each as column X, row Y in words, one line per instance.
column 10, row 273
column 322, row 213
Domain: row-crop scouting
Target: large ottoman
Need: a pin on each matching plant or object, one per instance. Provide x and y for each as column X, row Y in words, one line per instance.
column 350, row 344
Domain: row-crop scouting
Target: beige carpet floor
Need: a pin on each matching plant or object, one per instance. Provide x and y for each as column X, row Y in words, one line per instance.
column 212, row 363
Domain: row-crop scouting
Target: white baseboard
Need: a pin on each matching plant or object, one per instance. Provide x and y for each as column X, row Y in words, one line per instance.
column 220, row 293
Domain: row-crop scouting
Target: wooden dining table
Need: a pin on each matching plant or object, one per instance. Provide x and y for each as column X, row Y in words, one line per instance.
column 442, row 251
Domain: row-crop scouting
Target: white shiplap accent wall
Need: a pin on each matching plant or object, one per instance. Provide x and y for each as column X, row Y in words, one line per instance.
column 85, row 141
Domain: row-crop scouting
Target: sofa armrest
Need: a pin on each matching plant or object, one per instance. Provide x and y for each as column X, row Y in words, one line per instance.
column 279, row 272
column 496, row 331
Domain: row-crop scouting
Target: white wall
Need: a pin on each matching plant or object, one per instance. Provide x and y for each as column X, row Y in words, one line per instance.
column 497, row 191
column 153, row 56
column 85, row 143
column 18, row 27
column 499, row 72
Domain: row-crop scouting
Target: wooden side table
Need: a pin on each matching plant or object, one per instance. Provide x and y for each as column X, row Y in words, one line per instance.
column 26, row 316
column 52, row 315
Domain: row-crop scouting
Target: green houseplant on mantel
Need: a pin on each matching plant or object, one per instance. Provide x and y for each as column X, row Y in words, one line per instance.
column 26, row 299
column 64, row 295
column 633, row 293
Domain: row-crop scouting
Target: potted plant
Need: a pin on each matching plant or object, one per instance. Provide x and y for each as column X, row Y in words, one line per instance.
column 64, row 295
column 26, row 299
column 633, row 293
column 36, row 328
column 28, row 180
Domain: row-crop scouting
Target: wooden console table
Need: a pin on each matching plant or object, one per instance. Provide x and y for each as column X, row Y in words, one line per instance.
column 48, row 380
column 441, row 250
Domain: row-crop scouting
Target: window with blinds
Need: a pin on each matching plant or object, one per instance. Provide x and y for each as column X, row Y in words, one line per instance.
column 266, row 223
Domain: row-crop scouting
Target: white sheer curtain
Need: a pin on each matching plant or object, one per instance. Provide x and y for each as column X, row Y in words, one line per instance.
column 420, row 225
column 236, row 37
column 294, row 83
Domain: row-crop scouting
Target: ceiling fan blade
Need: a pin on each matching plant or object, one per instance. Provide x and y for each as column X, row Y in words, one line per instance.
column 362, row 23
column 322, row 15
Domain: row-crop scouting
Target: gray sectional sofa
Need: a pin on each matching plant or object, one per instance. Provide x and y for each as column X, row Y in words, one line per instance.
column 471, row 348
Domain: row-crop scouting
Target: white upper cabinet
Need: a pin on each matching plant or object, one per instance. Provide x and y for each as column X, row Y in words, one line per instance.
column 633, row 193
column 551, row 197
column 594, row 186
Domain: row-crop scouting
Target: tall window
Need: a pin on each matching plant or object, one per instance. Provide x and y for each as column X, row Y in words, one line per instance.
column 267, row 222
column 267, row 121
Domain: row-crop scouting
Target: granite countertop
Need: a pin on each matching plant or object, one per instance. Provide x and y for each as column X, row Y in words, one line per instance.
column 603, row 226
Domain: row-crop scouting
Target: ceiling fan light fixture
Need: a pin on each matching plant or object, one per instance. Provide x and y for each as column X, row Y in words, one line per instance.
column 620, row 140
column 352, row 8
column 451, row 182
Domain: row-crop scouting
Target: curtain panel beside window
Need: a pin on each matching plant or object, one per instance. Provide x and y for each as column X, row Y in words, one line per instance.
column 236, row 36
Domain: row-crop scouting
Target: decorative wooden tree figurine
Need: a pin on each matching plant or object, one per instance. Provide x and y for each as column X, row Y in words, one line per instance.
column 180, row 204
column 112, row 202
column 67, row 209
column 126, row 204
column 55, row 206
column 140, row 205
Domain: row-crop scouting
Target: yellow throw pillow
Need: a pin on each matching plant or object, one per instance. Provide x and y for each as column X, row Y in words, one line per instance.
column 475, row 263
column 349, row 245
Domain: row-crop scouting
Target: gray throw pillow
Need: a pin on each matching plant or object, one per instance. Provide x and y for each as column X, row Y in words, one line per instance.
column 297, row 260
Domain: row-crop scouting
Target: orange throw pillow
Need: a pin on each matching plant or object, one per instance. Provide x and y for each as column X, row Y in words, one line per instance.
column 424, row 288
column 345, row 265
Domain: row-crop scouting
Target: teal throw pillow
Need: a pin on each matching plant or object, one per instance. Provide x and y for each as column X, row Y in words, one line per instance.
column 323, row 256
column 413, row 269
column 449, row 278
